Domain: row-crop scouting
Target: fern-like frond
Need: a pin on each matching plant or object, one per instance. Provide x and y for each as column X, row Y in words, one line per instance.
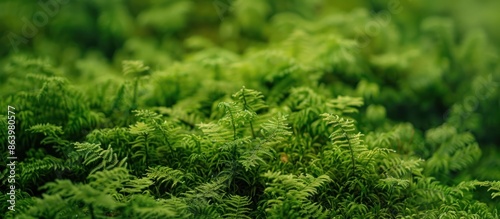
column 254, row 156
column 143, row 145
column 345, row 136
column 33, row 169
column 236, row 207
column 392, row 183
column 401, row 168
column 235, row 117
column 306, row 106
column 345, row 104
column 275, row 130
column 495, row 189
column 203, row 198
column 118, row 137
column 93, row 152
column 251, row 101
column 95, row 202
column 168, row 133
column 143, row 206
column 216, row 133
column 136, row 186
column 49, row 206
column 52, row 136
column 454, row 151
column 109, row 180
column 135, row 68
column 168, row 177
column 289, row 195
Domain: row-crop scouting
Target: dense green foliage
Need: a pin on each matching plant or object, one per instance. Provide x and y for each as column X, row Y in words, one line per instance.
column 253, row 109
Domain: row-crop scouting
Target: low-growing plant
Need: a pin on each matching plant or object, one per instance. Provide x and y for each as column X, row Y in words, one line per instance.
column 266, row 109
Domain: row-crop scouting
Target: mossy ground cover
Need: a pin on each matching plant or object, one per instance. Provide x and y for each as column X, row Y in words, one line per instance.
column 250, row 109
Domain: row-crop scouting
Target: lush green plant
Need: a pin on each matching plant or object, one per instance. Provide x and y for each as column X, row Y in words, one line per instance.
column 261, row 109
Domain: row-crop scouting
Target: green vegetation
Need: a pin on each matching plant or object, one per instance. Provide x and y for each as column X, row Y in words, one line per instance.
column 251, row 109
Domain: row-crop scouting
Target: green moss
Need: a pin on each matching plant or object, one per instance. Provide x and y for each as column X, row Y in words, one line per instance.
column 265, row 109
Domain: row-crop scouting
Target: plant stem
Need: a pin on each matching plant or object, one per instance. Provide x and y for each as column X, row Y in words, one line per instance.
column 232, row 123
column 134, row 100
column 147, row 145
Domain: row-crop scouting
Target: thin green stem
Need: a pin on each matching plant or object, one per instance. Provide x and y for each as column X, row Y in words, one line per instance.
column 232, row 122
column 134, row 100
column 146, row 147
column 245, row 106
